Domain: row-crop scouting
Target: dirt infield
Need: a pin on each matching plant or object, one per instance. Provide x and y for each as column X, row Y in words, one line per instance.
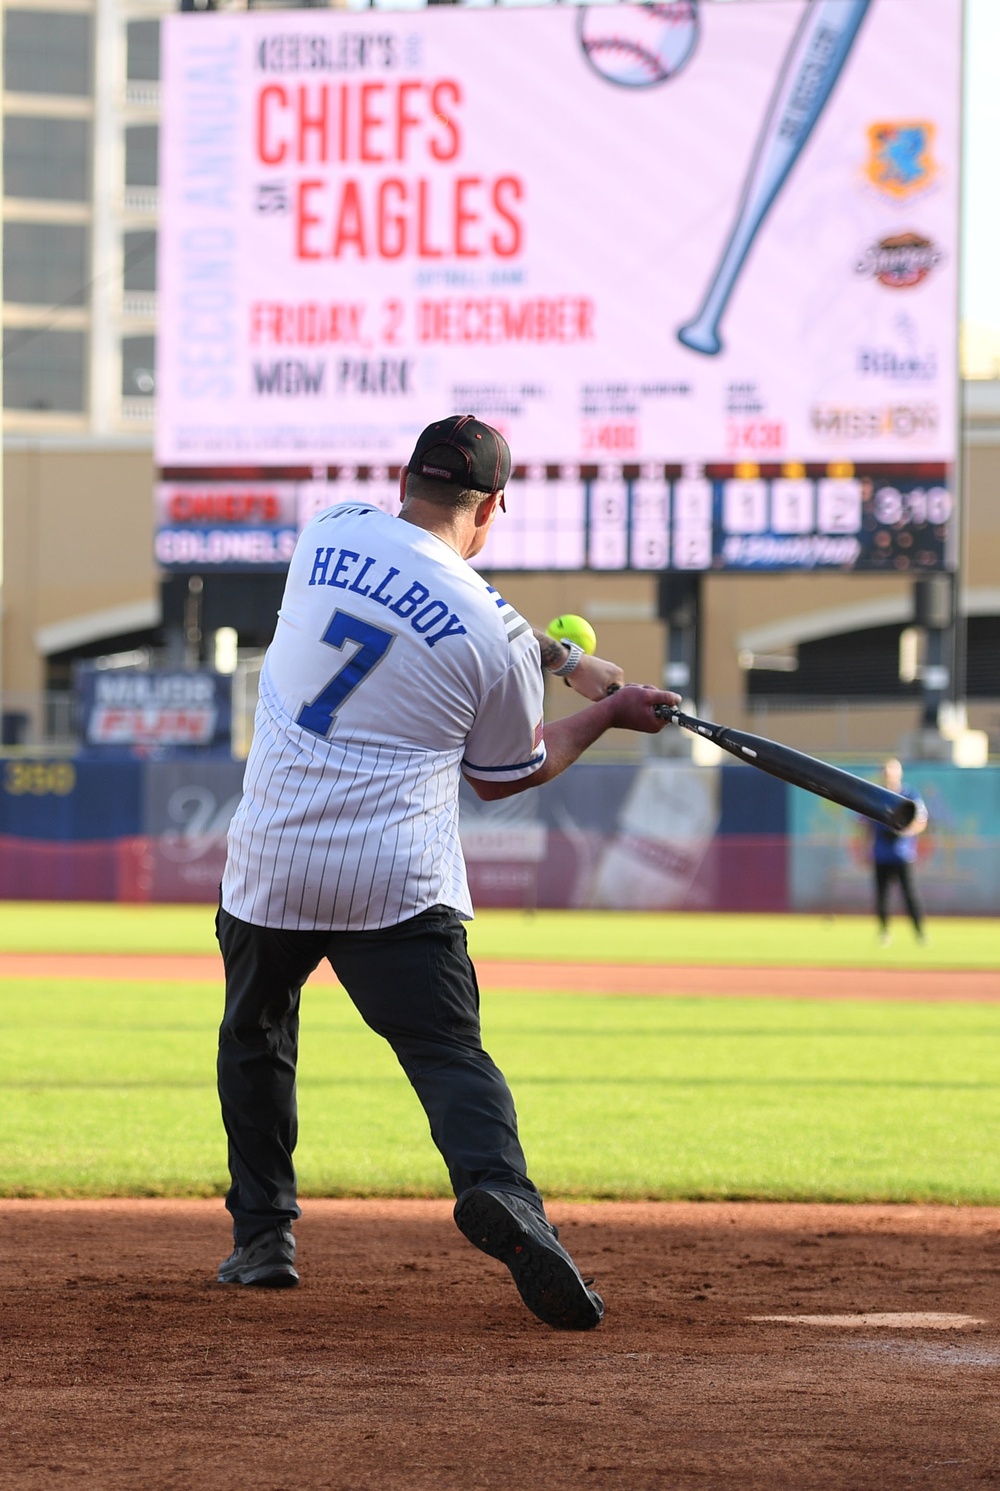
column 746, row 1347
column 406, row 1362
column 655, row 979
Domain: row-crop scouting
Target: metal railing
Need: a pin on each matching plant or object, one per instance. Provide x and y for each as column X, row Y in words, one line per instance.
column 33, row 722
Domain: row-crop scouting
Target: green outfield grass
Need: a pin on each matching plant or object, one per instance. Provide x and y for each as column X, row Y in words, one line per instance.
column 554, row 936
column 107, row 1089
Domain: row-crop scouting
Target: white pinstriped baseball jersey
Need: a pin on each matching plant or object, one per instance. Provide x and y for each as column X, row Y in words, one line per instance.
column 394, row 667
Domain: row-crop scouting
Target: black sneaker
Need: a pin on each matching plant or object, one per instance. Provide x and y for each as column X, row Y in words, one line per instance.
column 267, row 1260
column 549, row 1282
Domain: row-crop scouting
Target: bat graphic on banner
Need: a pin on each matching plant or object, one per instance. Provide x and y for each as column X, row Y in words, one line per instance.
column 827, row 781
column 815, row 58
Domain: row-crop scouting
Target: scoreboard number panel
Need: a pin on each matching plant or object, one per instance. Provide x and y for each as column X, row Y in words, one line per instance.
column 537, row 537
column 691, row 546
column 567, row 502
column 650, row 551
column 692, row 504
column 838, row 503
column 638, row 518
column 793, row 505
column 736, row 518
column 609, row 518
column 692, row 549
column 744, row 505
column 650, row 537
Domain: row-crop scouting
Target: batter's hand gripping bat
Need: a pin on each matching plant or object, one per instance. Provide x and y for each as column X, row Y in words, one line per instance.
column 842, row 787
column 815, row 58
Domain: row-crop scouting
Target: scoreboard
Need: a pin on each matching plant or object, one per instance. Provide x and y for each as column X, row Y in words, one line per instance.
column 704, row 276
column 743, row 517
column 609, row 517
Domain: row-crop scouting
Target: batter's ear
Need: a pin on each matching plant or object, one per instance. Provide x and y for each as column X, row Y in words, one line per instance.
column 486, row 509
column 402, row 483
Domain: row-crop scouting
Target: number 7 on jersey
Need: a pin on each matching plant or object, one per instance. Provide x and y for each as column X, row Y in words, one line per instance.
column 373, row 643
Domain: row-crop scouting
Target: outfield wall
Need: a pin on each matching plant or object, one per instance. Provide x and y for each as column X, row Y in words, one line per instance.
column 657, row 836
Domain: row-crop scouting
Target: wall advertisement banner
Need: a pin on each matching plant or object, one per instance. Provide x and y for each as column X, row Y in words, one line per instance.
column 958, row 856
column 125, row 708
column 660, row 835
column 675, row 234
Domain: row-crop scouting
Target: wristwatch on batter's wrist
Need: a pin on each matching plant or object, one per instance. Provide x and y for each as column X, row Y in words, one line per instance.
column 574, row 652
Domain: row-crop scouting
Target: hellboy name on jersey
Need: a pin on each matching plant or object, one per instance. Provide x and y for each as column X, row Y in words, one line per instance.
column 394, row 667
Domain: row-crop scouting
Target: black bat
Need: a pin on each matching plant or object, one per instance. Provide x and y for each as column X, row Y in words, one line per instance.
column 828, row 781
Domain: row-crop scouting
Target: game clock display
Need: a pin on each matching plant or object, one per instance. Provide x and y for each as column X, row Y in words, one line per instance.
column 717, row 518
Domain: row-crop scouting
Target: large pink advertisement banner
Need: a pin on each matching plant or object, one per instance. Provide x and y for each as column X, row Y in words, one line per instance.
column 678, row 233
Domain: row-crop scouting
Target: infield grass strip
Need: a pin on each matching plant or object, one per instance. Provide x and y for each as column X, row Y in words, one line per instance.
column 109, row 1090
column 548, row 936
column 748, row 940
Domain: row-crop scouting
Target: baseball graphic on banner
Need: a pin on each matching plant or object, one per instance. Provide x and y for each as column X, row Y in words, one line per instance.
column 639, row 45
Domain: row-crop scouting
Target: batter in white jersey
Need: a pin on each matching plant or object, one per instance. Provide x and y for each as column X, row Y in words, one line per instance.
column 394, row 670
column 394, row 667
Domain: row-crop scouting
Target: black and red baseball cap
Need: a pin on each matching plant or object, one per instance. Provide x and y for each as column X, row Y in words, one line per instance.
column 464, row 452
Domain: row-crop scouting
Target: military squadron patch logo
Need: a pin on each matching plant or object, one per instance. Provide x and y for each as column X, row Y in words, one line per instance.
column 900, row 161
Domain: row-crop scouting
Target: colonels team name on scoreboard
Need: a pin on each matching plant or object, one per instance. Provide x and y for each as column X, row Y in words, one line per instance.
column 693, row 240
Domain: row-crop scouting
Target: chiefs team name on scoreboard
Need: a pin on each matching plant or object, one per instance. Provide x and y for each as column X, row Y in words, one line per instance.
column 893, row 518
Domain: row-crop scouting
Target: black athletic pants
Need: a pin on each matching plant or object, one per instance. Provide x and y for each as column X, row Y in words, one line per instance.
column 884, row 876
column 415, row 985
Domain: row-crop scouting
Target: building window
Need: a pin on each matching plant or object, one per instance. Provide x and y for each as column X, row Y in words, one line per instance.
column 140, row 155
column 44, row 369
column 140, row 262
column 47, row 51
column 143, row 41
column 138, row 367
column 46, row 159
column 46, row 263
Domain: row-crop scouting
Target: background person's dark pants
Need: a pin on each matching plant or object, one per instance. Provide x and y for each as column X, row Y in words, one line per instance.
column 884, row 876
column 415, row 985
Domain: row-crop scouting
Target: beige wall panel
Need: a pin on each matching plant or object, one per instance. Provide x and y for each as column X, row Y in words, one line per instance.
column 848, row 729
column 78, row 539
column 734, row 604
column 982, row 546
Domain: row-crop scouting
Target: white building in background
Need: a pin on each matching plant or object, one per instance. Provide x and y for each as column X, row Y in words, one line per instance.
column 81, row 105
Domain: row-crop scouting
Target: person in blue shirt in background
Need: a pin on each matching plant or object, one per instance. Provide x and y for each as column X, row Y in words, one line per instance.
column 893, row 857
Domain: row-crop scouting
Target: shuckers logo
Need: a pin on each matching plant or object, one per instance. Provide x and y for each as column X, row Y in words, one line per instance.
column 900, row 162
column 899, row 262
